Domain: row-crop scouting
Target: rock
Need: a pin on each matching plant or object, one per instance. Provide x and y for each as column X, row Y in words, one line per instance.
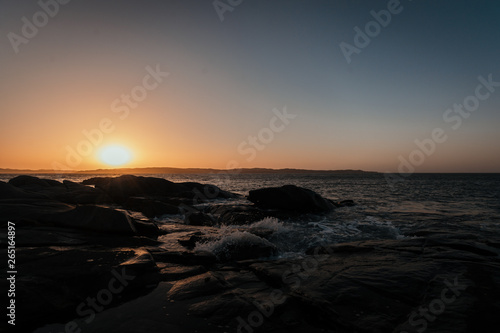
column 25, row 207
column 290, row 198
column 159, row 189
column 56, row 281
column 93, row 218
column 199, row 219
column 149, row 207
column 208, row 191
column 189, row 241
column 203, row 258
column 120, row 189
column 146, row 228
column 345, row 203
column 81, row 194
column 196, row 286
column 67, row 192
column 237, row 214
column 172, row 272
column 34, row 183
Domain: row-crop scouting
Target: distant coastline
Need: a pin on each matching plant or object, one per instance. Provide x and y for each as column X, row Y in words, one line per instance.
column 166, row 170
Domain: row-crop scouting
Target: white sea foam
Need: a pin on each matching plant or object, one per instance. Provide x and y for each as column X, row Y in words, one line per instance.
column 229, row 240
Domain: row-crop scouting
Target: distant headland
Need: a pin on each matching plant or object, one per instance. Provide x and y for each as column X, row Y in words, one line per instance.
column 168, row 170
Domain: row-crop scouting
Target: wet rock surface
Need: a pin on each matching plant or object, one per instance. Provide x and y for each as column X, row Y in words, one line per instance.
column 104, row 269
column 290, row 198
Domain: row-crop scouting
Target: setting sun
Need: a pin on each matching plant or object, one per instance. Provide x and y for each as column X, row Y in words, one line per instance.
column 114, row 155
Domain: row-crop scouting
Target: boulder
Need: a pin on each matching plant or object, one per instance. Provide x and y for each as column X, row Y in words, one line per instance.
column 237, row 214
column 81, row 194
column 290, row 198
column 93, row 218
column 199, row 219
column 126, row 186
column 67, row 191
column 9, row 191
column 208, row 191
column 57, row 280
column 149, row 207
column 34, row 183
column 120, row 189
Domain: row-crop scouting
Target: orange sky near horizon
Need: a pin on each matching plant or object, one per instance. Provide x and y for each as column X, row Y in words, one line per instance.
column 268, row 87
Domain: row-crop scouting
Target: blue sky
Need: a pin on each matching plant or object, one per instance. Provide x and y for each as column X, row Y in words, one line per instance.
column 227, row 76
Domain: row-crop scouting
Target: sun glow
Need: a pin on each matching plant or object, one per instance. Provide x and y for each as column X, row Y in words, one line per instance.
column 115, row 155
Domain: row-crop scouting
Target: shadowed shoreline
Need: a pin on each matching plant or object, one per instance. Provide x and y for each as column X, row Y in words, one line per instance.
column 90, row 256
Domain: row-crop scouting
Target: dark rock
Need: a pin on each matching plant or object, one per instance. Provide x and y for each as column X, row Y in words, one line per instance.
column 122, row 188
column 34, row 183
column 172, row 272
column 199, row 219
column 159, row 189
column 67, row 192
column 237, row 214
column 146, row 228
column 149, row 207
column 208, row 191
column 290, row 198
column 55, row 282
column 81, row 194
column 27, row 208
column 9, row 192
column 206, row 259
column 196, row 286
column 93, row 218
column 189, row 241
column 345, row 203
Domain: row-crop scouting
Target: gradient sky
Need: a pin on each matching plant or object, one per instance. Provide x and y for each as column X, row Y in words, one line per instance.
column 226, row 77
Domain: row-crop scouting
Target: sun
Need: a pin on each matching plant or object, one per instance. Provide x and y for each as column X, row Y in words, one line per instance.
column 115, row 155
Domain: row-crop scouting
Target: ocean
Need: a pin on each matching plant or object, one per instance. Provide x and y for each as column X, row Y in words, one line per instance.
column 438, row 202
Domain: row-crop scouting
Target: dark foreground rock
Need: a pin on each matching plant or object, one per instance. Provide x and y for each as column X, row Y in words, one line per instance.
column 441, row 282
column 290, row 198
column 67, row 191
column 120, row 189
column 93, row 218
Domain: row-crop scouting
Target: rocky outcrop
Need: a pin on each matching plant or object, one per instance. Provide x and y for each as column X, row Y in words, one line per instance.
column 126, row 186
column 290, row 198
column 93, row 218
column 67, row 191
column 150, row 207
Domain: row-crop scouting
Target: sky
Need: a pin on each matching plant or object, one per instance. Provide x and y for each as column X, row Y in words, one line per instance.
column 372, row 85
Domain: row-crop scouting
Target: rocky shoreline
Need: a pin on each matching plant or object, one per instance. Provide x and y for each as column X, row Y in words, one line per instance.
column 90, row 257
